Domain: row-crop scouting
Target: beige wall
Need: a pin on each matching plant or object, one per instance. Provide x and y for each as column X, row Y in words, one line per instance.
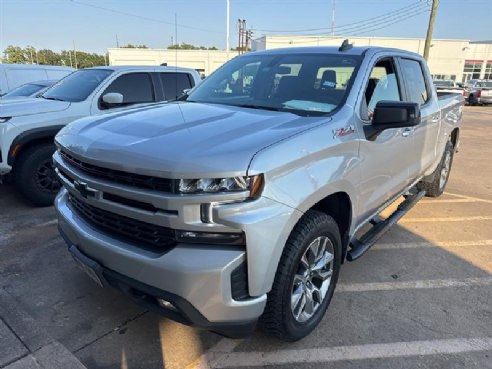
column 205, row 60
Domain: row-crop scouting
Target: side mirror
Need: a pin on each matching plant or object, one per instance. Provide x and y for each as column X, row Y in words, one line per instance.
column 392, row 114
column 112, row 98
column 396, row 114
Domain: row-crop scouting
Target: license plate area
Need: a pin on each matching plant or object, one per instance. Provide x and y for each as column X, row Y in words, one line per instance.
column 89, row 266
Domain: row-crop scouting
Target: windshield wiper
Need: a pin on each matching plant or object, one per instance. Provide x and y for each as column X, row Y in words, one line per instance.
column 262, row 107
column 51, row 98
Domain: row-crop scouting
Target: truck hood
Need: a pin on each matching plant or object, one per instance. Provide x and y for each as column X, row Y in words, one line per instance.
column 181, row 140
column 29, row 106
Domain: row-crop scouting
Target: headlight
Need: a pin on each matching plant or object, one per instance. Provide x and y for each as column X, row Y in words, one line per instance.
column 214, row 185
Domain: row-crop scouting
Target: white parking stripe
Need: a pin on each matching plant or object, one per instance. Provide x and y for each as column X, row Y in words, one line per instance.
column 440, row 201
column 339, row 353
column 444, row 219
column 468, row 197
column 416, row 245
column 208, row 359
column 431, row 283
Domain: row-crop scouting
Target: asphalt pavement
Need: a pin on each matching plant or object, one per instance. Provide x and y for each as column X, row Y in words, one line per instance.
column 420, row 298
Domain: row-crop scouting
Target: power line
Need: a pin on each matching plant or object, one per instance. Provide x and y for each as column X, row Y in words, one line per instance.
column 414, row 6
column 141, row 17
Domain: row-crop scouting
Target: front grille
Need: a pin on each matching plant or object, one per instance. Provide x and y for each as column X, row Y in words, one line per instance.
column 126, row 228
column 118, row 176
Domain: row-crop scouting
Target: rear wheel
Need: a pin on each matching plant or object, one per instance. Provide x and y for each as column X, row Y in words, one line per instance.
column 35, row 176
column 305, row 278
column 440, row 175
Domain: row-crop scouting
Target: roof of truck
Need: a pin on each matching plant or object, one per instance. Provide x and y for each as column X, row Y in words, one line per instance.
column 355, row 50
column 143, row 67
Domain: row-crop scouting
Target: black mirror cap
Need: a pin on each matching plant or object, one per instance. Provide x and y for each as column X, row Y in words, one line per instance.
column 396, row 114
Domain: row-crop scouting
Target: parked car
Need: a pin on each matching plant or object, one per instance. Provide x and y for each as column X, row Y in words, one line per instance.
column 14, row 75
column 478, row 91
column 444, row 86
column 240, row 202
column 31, row 89
column 27, row 126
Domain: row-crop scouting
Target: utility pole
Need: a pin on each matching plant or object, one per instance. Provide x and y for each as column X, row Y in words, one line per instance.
column 430, row 29
column 228, row 10
column 117, row 42
column 333, row 19
column 75, row 55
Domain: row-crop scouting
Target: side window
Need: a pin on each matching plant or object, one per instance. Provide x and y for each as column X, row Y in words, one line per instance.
column 174, row 84
column 417, row 89
column 382, row 85
column 135, row 88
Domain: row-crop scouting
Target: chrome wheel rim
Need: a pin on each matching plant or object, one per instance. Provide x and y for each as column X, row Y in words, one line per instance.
column 445, row 170
column 312, row 279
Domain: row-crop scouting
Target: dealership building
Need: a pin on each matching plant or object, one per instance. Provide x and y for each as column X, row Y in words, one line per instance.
column 459, row 60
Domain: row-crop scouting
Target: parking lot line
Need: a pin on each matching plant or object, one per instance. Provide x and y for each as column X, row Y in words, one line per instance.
column 208, row 359
column 445, row 219
column 466, row 197
column 401, row 285
column 360, row 352
column 441, row 201
column 416, row 245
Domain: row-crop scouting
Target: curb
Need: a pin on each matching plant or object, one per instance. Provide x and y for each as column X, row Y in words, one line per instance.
column 44, row 352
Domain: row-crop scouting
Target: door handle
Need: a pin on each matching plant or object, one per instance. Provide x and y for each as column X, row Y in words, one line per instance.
column 406, row 132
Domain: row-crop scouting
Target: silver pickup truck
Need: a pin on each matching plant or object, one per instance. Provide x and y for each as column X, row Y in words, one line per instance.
column 240, row 202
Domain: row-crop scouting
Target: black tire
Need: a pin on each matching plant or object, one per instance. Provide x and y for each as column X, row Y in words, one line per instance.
column 278, row 318
column 472, row 100
column 440, row 175
column 34, row 175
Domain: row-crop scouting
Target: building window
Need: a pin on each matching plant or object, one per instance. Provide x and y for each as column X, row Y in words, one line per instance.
column 472, row 69
column 488, row 70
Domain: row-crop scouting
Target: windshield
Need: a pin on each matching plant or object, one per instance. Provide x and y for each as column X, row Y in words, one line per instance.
column 444, row 83
column 25, row 90
column 306, row 84
column 77, row 86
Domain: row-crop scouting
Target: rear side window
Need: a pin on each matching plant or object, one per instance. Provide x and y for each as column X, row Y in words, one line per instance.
column 135, row 88
column 174, row 84
column 414, row 78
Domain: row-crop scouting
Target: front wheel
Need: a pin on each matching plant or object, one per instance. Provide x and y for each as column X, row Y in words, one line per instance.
column 440, row 175
column 306, row 278
column 35, row 177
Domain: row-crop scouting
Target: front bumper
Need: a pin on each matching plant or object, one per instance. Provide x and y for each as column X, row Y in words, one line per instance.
column 196, row 279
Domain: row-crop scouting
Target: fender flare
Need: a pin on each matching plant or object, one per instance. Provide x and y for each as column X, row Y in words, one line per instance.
column 29, row 136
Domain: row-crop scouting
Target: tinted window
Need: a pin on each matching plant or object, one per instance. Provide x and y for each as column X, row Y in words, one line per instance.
column 382, row 86
column 415, row 81
column 78, row 85
column 135, row 88
column 174, row 84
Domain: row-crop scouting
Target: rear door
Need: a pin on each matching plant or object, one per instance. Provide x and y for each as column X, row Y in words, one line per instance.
column 425, row 135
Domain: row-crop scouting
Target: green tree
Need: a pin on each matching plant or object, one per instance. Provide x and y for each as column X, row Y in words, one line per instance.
column 14, row 55
column 185, row 46
column 131, row 46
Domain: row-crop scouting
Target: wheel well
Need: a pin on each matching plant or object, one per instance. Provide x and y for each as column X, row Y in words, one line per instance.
column 13, row 156
column 339, row 207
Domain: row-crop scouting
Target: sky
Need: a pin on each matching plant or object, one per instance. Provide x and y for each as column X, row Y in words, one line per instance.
column 95, row 25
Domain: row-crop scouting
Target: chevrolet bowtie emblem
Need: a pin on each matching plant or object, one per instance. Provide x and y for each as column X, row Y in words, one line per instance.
column 84, row 190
